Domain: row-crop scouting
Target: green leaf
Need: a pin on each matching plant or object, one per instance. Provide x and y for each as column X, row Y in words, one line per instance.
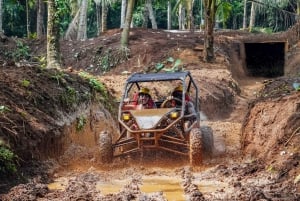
column 25, row 83
column 3, row 109
column 170, row 59
column 159, row 66
column 177, row 63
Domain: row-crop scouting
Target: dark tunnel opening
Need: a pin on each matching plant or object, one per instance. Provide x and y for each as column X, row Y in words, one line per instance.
column 265, row 59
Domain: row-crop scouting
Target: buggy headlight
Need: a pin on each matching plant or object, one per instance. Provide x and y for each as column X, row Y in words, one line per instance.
column 174, row 115
column 126, row 116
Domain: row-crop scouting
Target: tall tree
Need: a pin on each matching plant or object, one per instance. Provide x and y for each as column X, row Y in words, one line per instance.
column 190, row 17
column 27, row 19
column 98, row 16
column 185, row 14
column 169, row 15
column 181, row 16
column 82, row 26
column 252, row 16
column 40, row 19
column 245, row 15
column 210, row 8
column 123, row 13
column 53, row 51
column 145, row 16
column 149, row 8
column 298, row 8
column 71, row 33
column 1, row 11
column 104, row 15
column 125, row 32
column 77, row 28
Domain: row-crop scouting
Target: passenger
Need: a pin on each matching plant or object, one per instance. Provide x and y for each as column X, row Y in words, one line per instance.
column 141, row 100
column 145, row 100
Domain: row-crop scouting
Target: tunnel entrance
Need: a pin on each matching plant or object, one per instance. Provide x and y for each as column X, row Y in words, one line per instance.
column 265, row 59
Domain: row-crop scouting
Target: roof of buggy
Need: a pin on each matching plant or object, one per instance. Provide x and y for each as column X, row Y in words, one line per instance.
column 149, row 77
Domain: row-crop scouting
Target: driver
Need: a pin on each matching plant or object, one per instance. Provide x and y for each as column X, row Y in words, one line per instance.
column 177, row 93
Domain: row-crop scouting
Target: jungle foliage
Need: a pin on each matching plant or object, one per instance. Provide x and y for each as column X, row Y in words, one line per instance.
column 276, row 15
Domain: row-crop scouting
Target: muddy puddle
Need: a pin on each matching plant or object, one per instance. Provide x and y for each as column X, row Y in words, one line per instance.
column 58, row 184
column 170, row 186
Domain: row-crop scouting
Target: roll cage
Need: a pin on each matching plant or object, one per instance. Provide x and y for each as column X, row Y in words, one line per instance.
column 184, row 77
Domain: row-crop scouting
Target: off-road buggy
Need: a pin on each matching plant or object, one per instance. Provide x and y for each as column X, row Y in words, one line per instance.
column 170, row 127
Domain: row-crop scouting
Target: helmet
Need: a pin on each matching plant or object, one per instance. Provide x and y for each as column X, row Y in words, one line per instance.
column 144, row 90
column 178, row 88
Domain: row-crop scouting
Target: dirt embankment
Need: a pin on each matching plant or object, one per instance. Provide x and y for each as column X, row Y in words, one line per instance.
column 43, row 113
column 271, row 124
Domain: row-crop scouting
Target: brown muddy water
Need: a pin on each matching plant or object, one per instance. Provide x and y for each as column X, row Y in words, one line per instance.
column 170, row 186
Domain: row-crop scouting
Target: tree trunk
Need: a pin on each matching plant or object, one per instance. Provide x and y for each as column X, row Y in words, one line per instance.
column 71, row 33
column 125, row 32
column 1, row 11
column 169, row 15
column 27, row 20
column 74, row 6
column 234, row 22
column 145, row 16
column 151, row 14
column 245, row 15
column 209, row 10
column 40, row 19
column 189, row 10
column 98, row 15
column 53, row 52
column 123, row 13
column 181, row 17
column 297, row 11
column 252, row 17
column 82, row 26
column 104, row 16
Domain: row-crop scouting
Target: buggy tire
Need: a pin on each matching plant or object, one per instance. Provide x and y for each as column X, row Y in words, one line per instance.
column 195, row 154
column 207, row 140
column 105, row 147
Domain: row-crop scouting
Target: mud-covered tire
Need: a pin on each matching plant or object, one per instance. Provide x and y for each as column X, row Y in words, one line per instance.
column 195, row 147
column 207, row 140
column 105, row 147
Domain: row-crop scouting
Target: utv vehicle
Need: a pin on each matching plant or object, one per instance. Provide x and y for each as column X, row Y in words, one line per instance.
column 170, row 127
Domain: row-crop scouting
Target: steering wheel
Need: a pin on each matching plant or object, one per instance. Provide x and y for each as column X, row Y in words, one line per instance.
column 169, row 102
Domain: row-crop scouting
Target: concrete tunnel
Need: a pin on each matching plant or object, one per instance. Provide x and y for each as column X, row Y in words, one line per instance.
column 265, row 59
